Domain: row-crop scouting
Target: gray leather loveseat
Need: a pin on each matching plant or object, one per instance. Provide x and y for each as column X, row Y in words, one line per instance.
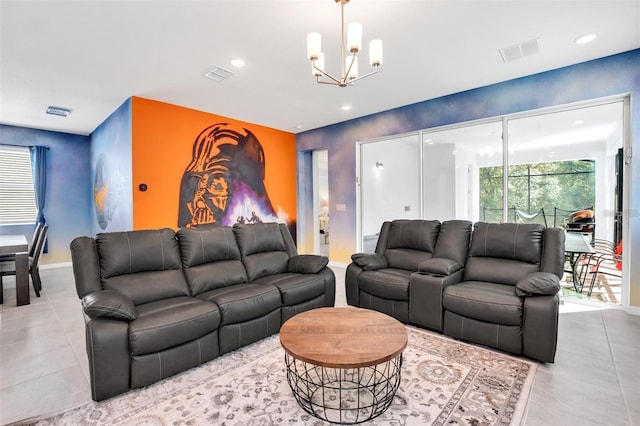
column 158, row 302
column 492, row 284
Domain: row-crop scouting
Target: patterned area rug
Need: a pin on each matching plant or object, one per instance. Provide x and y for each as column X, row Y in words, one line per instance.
column 444, row 382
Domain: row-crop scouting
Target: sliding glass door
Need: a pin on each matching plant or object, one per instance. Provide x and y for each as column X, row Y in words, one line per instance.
column 389, row 184
column 560, row 168
column 462, row 177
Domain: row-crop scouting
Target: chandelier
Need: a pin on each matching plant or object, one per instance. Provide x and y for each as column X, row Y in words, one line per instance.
column 349, row 61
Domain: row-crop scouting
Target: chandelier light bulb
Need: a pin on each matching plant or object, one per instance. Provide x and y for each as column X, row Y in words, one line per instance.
column 375, row 52
column 354, row 37
column 314, row 45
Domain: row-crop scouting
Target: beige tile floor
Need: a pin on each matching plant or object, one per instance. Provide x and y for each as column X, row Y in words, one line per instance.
column 594, row 381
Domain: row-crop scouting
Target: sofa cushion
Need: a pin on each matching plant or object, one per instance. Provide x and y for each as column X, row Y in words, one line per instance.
column 263, row 264
column 243, row 302
column 493, row 270
column 143, row 265
column 295, row 288
column 538, row 283
column 207, row 244
column 258, row 238
column 387, row 283
column 145, row 287
column 410, row 242
column 170, row 322
column 262, row 249
column 413, row 234
column 453, row 240
column 407, row 259
column 210, row 258
column 488, row 302
column 129, row 252
column 522, row 242
column 210, row 276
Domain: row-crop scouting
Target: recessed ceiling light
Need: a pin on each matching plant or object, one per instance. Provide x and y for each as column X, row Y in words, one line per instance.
column 585, row 38
column 238, row 63
column 579, row 122
column 346, row 107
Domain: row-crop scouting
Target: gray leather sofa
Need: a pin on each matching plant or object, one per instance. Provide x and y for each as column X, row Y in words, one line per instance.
column 158, row 302
column 493, row 284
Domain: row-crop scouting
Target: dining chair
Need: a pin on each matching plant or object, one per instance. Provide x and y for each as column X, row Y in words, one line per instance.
column 9, row 267
column 607, row 262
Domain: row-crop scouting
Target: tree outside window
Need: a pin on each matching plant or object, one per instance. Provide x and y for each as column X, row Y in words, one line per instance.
column 555, row 188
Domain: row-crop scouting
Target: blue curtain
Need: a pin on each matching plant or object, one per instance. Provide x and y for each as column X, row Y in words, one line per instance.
column 39, row 169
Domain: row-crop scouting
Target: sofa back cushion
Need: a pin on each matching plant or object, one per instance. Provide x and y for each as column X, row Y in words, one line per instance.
column 210, row 258
column 262, row 249
column 453, row 240
column 504, row 252
column 410, row 242
column 143, row 265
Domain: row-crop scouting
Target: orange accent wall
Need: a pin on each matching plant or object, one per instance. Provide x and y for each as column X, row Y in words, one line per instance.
column 162, row 141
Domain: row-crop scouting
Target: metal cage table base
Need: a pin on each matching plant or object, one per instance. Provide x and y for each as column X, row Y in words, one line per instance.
column 344, row 395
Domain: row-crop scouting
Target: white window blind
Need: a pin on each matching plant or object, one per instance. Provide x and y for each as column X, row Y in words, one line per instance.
column 17, row 200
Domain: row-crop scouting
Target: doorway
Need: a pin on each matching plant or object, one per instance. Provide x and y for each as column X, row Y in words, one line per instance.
column 321, row 231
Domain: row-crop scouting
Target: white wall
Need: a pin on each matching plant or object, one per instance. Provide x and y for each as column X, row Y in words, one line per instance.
column 391, row 192
column 439, row 181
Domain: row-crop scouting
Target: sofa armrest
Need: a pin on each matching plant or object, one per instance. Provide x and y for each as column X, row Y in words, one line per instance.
column 307, row 263
column 540, row 327
column 439, row 266
column 370, row 261
column 538, row 284
column 109, row 304
column 107, row 343
column 425, row 298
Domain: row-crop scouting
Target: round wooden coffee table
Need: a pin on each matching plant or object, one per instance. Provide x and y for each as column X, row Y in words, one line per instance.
column 343, row 364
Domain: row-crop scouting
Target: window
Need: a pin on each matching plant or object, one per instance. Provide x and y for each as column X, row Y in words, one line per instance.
column 17, row 199
column 553, row 189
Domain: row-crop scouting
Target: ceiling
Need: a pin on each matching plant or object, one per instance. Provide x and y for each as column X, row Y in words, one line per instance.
column 90, row 56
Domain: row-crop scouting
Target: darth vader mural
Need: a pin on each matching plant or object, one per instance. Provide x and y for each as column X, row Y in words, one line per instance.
column 224, row 182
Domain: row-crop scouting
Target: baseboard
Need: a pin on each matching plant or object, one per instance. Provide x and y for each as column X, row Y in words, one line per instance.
column 338, row 264
column 633, row 310
column 55, row 265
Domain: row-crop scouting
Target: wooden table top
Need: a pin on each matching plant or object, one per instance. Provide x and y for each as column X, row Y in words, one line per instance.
column 343, row 337
column 11, row 244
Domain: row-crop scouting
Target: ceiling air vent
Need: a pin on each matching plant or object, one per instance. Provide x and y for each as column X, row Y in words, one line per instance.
column 521, row 50
column 61, row 112
column 219, row 74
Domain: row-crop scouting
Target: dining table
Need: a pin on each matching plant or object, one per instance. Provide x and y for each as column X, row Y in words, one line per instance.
column 577, row 244
column 17, row 245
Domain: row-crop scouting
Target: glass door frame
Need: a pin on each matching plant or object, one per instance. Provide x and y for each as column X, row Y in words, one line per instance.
column 625, row 99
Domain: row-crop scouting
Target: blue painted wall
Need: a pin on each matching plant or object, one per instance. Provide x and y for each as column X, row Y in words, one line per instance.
column 613, row 75
column 67, row 204
column 111, row 208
